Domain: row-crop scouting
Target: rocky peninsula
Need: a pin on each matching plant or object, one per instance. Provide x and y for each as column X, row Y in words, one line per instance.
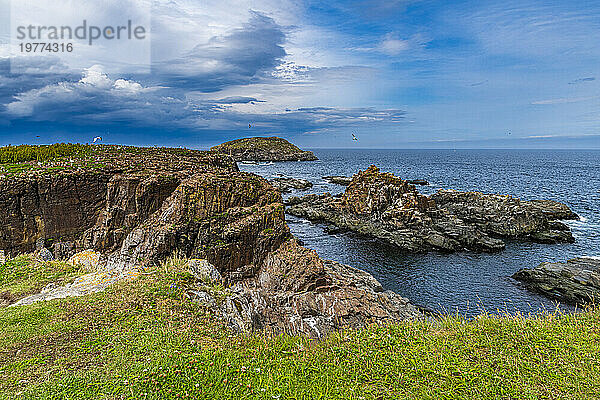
column 385, row 207
column 263, row 149
column 136, row 207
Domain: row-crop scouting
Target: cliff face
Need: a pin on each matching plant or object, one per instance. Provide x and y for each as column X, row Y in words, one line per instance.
column 93, row 201
column 263, row 149
column 49, row 207
column 199, row 205
column 232, row 219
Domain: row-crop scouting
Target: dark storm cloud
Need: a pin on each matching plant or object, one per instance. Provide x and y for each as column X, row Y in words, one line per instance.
column 240, row 57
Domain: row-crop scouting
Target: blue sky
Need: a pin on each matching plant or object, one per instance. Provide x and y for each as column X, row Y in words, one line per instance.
column 401, row 74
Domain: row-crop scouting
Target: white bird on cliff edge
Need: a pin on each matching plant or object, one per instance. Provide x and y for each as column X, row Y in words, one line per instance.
column 97, row 138
column 354, row 137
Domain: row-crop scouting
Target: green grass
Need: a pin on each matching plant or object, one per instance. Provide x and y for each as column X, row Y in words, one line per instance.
column 23, row 153
column 144, row 340
column 24, row 275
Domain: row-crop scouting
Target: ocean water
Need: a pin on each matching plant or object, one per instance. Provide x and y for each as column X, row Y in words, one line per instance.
column 463, row 282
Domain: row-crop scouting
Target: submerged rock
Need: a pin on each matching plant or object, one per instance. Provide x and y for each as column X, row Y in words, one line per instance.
column 420, row 182
column 577, row 281
column 285, row 185
column 264, row 149
column 338, row 179
column 385, row 207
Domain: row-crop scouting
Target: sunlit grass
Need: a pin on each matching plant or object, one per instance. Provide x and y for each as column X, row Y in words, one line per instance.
column 145, row 339
column 25, row 275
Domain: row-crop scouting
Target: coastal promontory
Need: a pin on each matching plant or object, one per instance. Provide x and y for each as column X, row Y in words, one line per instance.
column 132, row 208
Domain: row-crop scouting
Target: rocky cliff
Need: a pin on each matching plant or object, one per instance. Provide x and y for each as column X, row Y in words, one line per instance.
column 264, row 149
column 95, row 199
column 139, row 206
column 386, row 207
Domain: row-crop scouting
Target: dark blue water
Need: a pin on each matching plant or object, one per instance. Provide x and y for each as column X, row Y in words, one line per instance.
column 466, row 281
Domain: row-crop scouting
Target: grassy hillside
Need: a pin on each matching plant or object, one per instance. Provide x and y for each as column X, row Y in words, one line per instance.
column 258, row 143
column 144, row 340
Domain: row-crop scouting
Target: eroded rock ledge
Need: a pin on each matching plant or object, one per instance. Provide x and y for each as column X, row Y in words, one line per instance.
column 201, row 206
column 577, row 281
column 263, row 149
column 385, row 207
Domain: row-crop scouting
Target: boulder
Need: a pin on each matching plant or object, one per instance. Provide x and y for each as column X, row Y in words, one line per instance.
column 89, row 260
column 44, row 254
column 577, row 281
column 204, row 271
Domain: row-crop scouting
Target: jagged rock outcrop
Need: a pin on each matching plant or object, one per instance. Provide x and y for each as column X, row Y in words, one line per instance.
column 230, row 223
column 263, row 149
column 285, row 185
column 577, row 281
column 345, row 180
column 506, row 216
column 386, row 207
column 296, row 292
column 232, row 219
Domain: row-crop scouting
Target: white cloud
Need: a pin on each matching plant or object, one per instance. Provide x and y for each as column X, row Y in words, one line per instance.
column 393, row 46
column 564, row 100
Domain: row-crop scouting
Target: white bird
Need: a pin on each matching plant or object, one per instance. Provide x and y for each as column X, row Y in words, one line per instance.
column 97, row 138
column 354, row 137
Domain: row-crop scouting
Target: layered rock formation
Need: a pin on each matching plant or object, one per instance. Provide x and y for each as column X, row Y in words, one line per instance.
column 345, row 180
column 103, row 194
column 297, row 292
column 577, row 281
column 138, row 209
column 263, row 149
column 386, row 207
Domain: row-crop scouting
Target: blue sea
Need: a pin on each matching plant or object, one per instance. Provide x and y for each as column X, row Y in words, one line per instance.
column 464, row 282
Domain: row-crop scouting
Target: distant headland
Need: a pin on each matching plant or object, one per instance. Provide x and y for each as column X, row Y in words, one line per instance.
column 264, row 149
